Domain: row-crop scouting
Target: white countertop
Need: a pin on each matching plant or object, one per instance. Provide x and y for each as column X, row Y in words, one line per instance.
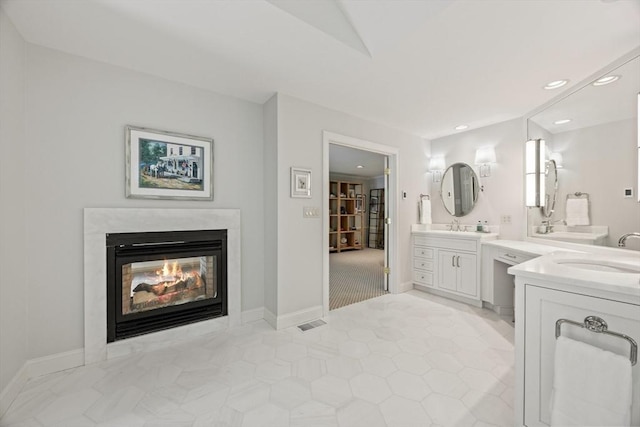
column 439, row 230
column 550, row 268
column 522, row 246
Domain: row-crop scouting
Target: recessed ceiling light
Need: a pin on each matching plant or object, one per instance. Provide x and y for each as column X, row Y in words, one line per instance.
column 561, row 122
column 461, row 127
column 556, row 84
column 605, row 80
column 360, row 167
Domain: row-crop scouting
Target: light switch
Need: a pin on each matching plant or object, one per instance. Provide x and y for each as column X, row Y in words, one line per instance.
column 311, row 212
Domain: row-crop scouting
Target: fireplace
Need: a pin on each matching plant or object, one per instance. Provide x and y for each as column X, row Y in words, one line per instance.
column 160, row 280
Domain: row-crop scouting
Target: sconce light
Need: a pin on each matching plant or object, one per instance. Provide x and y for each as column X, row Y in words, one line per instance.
column 436, row 166
column 534, row 172
column 556, row 157
column 484, row 157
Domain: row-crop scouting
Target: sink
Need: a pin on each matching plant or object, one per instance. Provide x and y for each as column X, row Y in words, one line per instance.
column 600, row 265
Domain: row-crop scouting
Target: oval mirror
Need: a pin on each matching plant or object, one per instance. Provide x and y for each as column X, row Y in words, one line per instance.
column 460, row 189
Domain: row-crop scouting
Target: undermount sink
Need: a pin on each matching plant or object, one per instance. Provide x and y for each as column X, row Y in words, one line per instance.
column 593, row 262
column 600, row 265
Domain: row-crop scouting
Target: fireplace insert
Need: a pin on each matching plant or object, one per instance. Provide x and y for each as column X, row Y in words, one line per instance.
column 160, row 280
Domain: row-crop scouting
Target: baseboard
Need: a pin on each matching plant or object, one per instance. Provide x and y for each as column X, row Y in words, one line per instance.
column 459, row 298
column 253, row 315
column 35, row 368
column 54, row 363
column 10, row 392
column 271, row 318
column 299, row 317
column 404, row 287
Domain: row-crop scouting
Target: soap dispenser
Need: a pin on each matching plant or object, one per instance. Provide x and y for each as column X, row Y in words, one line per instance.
column 486, row 227
column 479, row 226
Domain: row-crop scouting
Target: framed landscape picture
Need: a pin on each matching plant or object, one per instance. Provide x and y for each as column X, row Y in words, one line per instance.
column 168, row 165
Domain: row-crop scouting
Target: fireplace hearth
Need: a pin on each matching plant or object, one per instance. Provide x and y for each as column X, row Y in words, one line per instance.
column 161, row 280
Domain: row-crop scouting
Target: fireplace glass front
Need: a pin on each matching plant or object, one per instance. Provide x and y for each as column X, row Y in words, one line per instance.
column 162, row 280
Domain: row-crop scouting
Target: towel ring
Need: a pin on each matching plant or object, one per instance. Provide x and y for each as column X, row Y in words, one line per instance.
column 598, row 325
column 422, row 196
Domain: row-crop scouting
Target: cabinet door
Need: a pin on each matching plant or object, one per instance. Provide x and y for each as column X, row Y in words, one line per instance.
column 447, row 270
column 467, row 274
column 543, row 307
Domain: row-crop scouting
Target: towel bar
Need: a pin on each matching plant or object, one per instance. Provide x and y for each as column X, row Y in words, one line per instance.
column 578, row 195
column 422, row 196
column 598, row 325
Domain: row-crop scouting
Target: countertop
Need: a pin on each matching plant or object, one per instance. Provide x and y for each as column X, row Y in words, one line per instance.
column 522, row 246
column 552, row 268
column 438, row 230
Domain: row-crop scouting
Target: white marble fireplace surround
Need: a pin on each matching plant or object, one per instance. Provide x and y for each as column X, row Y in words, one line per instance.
column 100, row 221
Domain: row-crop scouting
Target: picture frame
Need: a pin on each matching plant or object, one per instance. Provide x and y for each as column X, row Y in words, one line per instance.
column 167, row 165
column 300, row 183
column 361, row 203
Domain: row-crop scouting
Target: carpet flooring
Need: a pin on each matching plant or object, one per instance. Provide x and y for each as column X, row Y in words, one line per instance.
column 355, row 276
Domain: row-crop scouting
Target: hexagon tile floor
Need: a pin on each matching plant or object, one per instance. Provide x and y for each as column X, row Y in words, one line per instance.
column 397, row 360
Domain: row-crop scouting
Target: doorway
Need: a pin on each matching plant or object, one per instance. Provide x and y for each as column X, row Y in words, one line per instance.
column 363, row 260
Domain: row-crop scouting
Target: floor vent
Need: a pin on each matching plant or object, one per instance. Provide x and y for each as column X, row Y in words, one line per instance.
column 311, row 325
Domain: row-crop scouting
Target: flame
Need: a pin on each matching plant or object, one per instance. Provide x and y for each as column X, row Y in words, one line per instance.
column 174, row 271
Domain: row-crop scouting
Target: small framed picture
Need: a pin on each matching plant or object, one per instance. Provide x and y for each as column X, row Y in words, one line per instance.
column 168, row 165
column 300, row 182
column 361, row 203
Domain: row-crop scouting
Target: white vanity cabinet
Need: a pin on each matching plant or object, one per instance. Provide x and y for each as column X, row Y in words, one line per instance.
column 546, row 292
column 448, row 263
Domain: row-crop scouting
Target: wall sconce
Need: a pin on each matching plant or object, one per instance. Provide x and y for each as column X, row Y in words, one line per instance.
column 556, row 157
column 534, row 172
column 484, row 157
column 436, row 166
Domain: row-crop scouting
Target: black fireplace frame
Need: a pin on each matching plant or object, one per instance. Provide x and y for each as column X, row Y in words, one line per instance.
column 124, row 248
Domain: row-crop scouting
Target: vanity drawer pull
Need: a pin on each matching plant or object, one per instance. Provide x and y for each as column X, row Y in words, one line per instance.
column 422, row 277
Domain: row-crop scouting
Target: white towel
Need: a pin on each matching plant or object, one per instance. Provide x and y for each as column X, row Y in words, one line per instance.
column 591, row 386
column 577, row 212
column 425, row 211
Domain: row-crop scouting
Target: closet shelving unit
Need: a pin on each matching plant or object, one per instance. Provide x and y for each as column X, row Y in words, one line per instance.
column 346, row 206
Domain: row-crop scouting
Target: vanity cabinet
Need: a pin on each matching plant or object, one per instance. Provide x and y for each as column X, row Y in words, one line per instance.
column 542, row 308
column 457, row 272
column 448, row 264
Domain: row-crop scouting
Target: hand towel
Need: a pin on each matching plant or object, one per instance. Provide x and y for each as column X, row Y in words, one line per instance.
column 591, row 386
column 425, row 211
column 577, row 212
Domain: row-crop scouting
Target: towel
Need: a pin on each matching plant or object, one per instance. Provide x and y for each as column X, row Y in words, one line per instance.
column 591, row 386
column 577, row 212
column 425, row 211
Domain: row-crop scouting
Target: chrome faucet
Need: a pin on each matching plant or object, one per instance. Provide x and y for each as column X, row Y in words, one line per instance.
column 455, row 225
column 547, row 225
column 622, row 242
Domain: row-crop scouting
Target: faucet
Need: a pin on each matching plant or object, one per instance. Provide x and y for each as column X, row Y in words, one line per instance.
column 548, row 225
column 455, row 225
column 622, row 242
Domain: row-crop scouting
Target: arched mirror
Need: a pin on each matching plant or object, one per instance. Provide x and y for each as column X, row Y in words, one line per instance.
column 460, row 189
column 551, row 188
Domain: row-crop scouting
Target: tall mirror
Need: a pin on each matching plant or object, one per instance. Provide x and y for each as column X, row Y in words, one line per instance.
column 593, row 135
column 460, row 189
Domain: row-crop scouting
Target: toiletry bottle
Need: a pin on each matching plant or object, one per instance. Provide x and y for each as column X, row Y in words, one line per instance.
column 479, row 226
column 486, row 227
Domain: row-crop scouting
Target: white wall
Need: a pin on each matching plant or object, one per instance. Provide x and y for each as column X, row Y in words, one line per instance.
column 13, row 171
column 76, row 110
column 300, row 126
column 601, row 160
column 270, row 189
column 503, row 191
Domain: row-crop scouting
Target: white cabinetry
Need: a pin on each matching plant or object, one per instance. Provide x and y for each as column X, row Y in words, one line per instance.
column 448, row 264
column 543, row 307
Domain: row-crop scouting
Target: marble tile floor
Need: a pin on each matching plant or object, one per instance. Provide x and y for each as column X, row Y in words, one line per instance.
column 397, row 360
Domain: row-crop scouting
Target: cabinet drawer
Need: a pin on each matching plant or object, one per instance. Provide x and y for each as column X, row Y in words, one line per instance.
column 423, row 252
column 512, row 258
column 454, row 244
column 423, row 277
column 422, row 264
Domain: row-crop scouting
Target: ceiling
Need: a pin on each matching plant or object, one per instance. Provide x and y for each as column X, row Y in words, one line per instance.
column 420, row 66
column 345, row 161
